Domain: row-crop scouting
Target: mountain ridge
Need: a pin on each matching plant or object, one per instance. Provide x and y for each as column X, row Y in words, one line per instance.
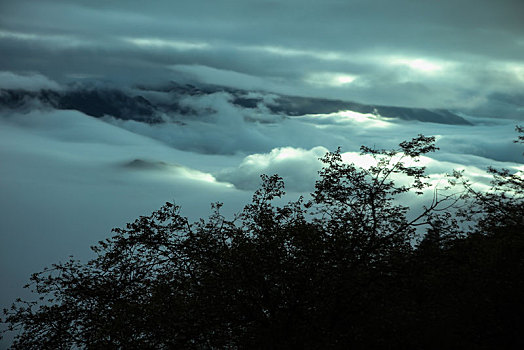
column 129, row 104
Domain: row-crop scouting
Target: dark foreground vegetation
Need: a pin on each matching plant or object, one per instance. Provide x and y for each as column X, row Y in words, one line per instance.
column 340, row 271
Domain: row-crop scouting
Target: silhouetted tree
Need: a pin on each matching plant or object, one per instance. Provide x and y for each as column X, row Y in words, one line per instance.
column 338, row 271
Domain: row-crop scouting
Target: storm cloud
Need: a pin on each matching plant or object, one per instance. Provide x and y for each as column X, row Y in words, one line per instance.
column 447, row 54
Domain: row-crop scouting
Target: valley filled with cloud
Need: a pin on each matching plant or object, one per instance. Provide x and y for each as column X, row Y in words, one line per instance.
column 107, row 111
column 68, row 178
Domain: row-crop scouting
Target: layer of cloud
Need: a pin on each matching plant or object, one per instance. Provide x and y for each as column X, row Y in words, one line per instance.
column 225, row 128
column 28, row 82
column 67, row 179
column 456, row 54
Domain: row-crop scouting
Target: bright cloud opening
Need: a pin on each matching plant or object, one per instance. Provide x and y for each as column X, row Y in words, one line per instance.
column 419, row 64
column 517, row 70
column 330, row 79
column 283, row 51
column 161, row 43
column 345, row 79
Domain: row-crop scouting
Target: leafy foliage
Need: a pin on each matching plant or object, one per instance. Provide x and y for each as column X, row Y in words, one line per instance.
column 339, row 271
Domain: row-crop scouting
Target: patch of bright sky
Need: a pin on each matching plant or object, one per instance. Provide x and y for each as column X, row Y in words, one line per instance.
column 330, row 79
column 517, row 69
column 283, row 51
column 162, row 43
column 422, row 65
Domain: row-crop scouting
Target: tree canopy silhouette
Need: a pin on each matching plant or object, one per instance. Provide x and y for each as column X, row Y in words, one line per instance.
column 337, row 271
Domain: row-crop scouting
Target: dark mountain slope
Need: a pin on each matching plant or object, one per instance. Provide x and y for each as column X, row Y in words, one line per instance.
column 99, row 102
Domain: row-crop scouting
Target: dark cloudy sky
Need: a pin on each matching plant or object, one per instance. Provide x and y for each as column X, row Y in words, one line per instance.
column 449, row 53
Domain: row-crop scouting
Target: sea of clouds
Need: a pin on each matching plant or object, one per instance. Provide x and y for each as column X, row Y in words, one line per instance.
column 67, row 178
